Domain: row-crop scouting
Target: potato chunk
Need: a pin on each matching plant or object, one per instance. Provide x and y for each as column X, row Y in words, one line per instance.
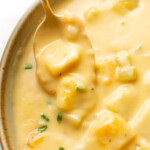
column 111, row 131
column 122, row 101
column 71, row 32
column 141, row 122
column 106, row 68
column 59, row 56
column 124, row 6
column 123, row 58
column 65, row 100
column 66, row 93
column 126, row 73
column 143, row 145
column 146, row 80
column 75, row 117
column 69, row 87
column 91, row 13
column 35, row 138
column 138, row 143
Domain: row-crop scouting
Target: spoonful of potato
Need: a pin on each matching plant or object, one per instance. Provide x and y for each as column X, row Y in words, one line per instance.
column 64, row 57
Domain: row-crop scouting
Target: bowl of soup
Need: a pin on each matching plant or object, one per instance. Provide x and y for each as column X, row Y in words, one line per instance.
column 83, row 87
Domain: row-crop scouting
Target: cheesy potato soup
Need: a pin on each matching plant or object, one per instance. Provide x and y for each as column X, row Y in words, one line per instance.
column 89, row 89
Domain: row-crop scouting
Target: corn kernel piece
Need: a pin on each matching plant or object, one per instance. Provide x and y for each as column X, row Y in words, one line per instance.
column 122, row 101
column 111, row 131
column 141, row 121
column 76, row 117
column 91, row 13
column 123, row 6
column 126, row 73
column 35, row 138
column 123, row 58
column 59, row 56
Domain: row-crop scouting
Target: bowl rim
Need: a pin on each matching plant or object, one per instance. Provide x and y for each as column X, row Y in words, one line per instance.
column 4, row 68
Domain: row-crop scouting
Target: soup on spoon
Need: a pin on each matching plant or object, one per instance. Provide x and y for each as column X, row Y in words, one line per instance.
column 65, row 61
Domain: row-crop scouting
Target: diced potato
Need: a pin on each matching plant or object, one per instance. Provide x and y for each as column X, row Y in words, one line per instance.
column 65, row 100
column 126, row 73
column 123, row 58
column 68, row 16
column 147, row 80
column 138, row 143
column 106, row 69
column 143, row 145
column 76, row 117
column 141, row 122
column 35, row 138
column 91, row 13
column 71, row 32
column 68, row 87
column 111, row 131
column 123, row 6
column 122, row 101
column 59, row 56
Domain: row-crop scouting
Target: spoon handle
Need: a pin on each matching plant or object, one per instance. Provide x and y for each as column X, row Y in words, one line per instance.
column 47, row 7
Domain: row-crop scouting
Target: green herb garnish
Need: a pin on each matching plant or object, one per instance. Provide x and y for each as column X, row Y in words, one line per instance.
column 80, row 88
column 42, row 128
column 59, row 117
column 49, row 102
column 45, row 117
column 61, row 148
column 28, row 67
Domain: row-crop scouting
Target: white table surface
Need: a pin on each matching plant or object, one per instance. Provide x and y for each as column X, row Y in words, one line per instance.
column 10, row 13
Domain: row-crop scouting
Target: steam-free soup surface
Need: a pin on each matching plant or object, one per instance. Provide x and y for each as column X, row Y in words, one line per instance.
column 90, row 88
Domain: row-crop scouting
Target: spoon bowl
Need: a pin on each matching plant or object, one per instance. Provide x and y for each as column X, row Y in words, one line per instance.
column 48, row 29
column 56, row 47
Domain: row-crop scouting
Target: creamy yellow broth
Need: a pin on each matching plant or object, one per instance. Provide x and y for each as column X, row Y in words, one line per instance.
column 87, row 103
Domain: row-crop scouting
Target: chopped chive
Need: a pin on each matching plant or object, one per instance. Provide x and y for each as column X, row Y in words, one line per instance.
column 61, row 148
column 80, row 88
column 49, row 103
column 45, row 117
column 28, row 67
column 59, row 117
column 42, row 128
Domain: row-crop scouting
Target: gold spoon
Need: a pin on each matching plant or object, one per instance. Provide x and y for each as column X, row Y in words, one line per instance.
column 48, row 29
column 52, row 29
